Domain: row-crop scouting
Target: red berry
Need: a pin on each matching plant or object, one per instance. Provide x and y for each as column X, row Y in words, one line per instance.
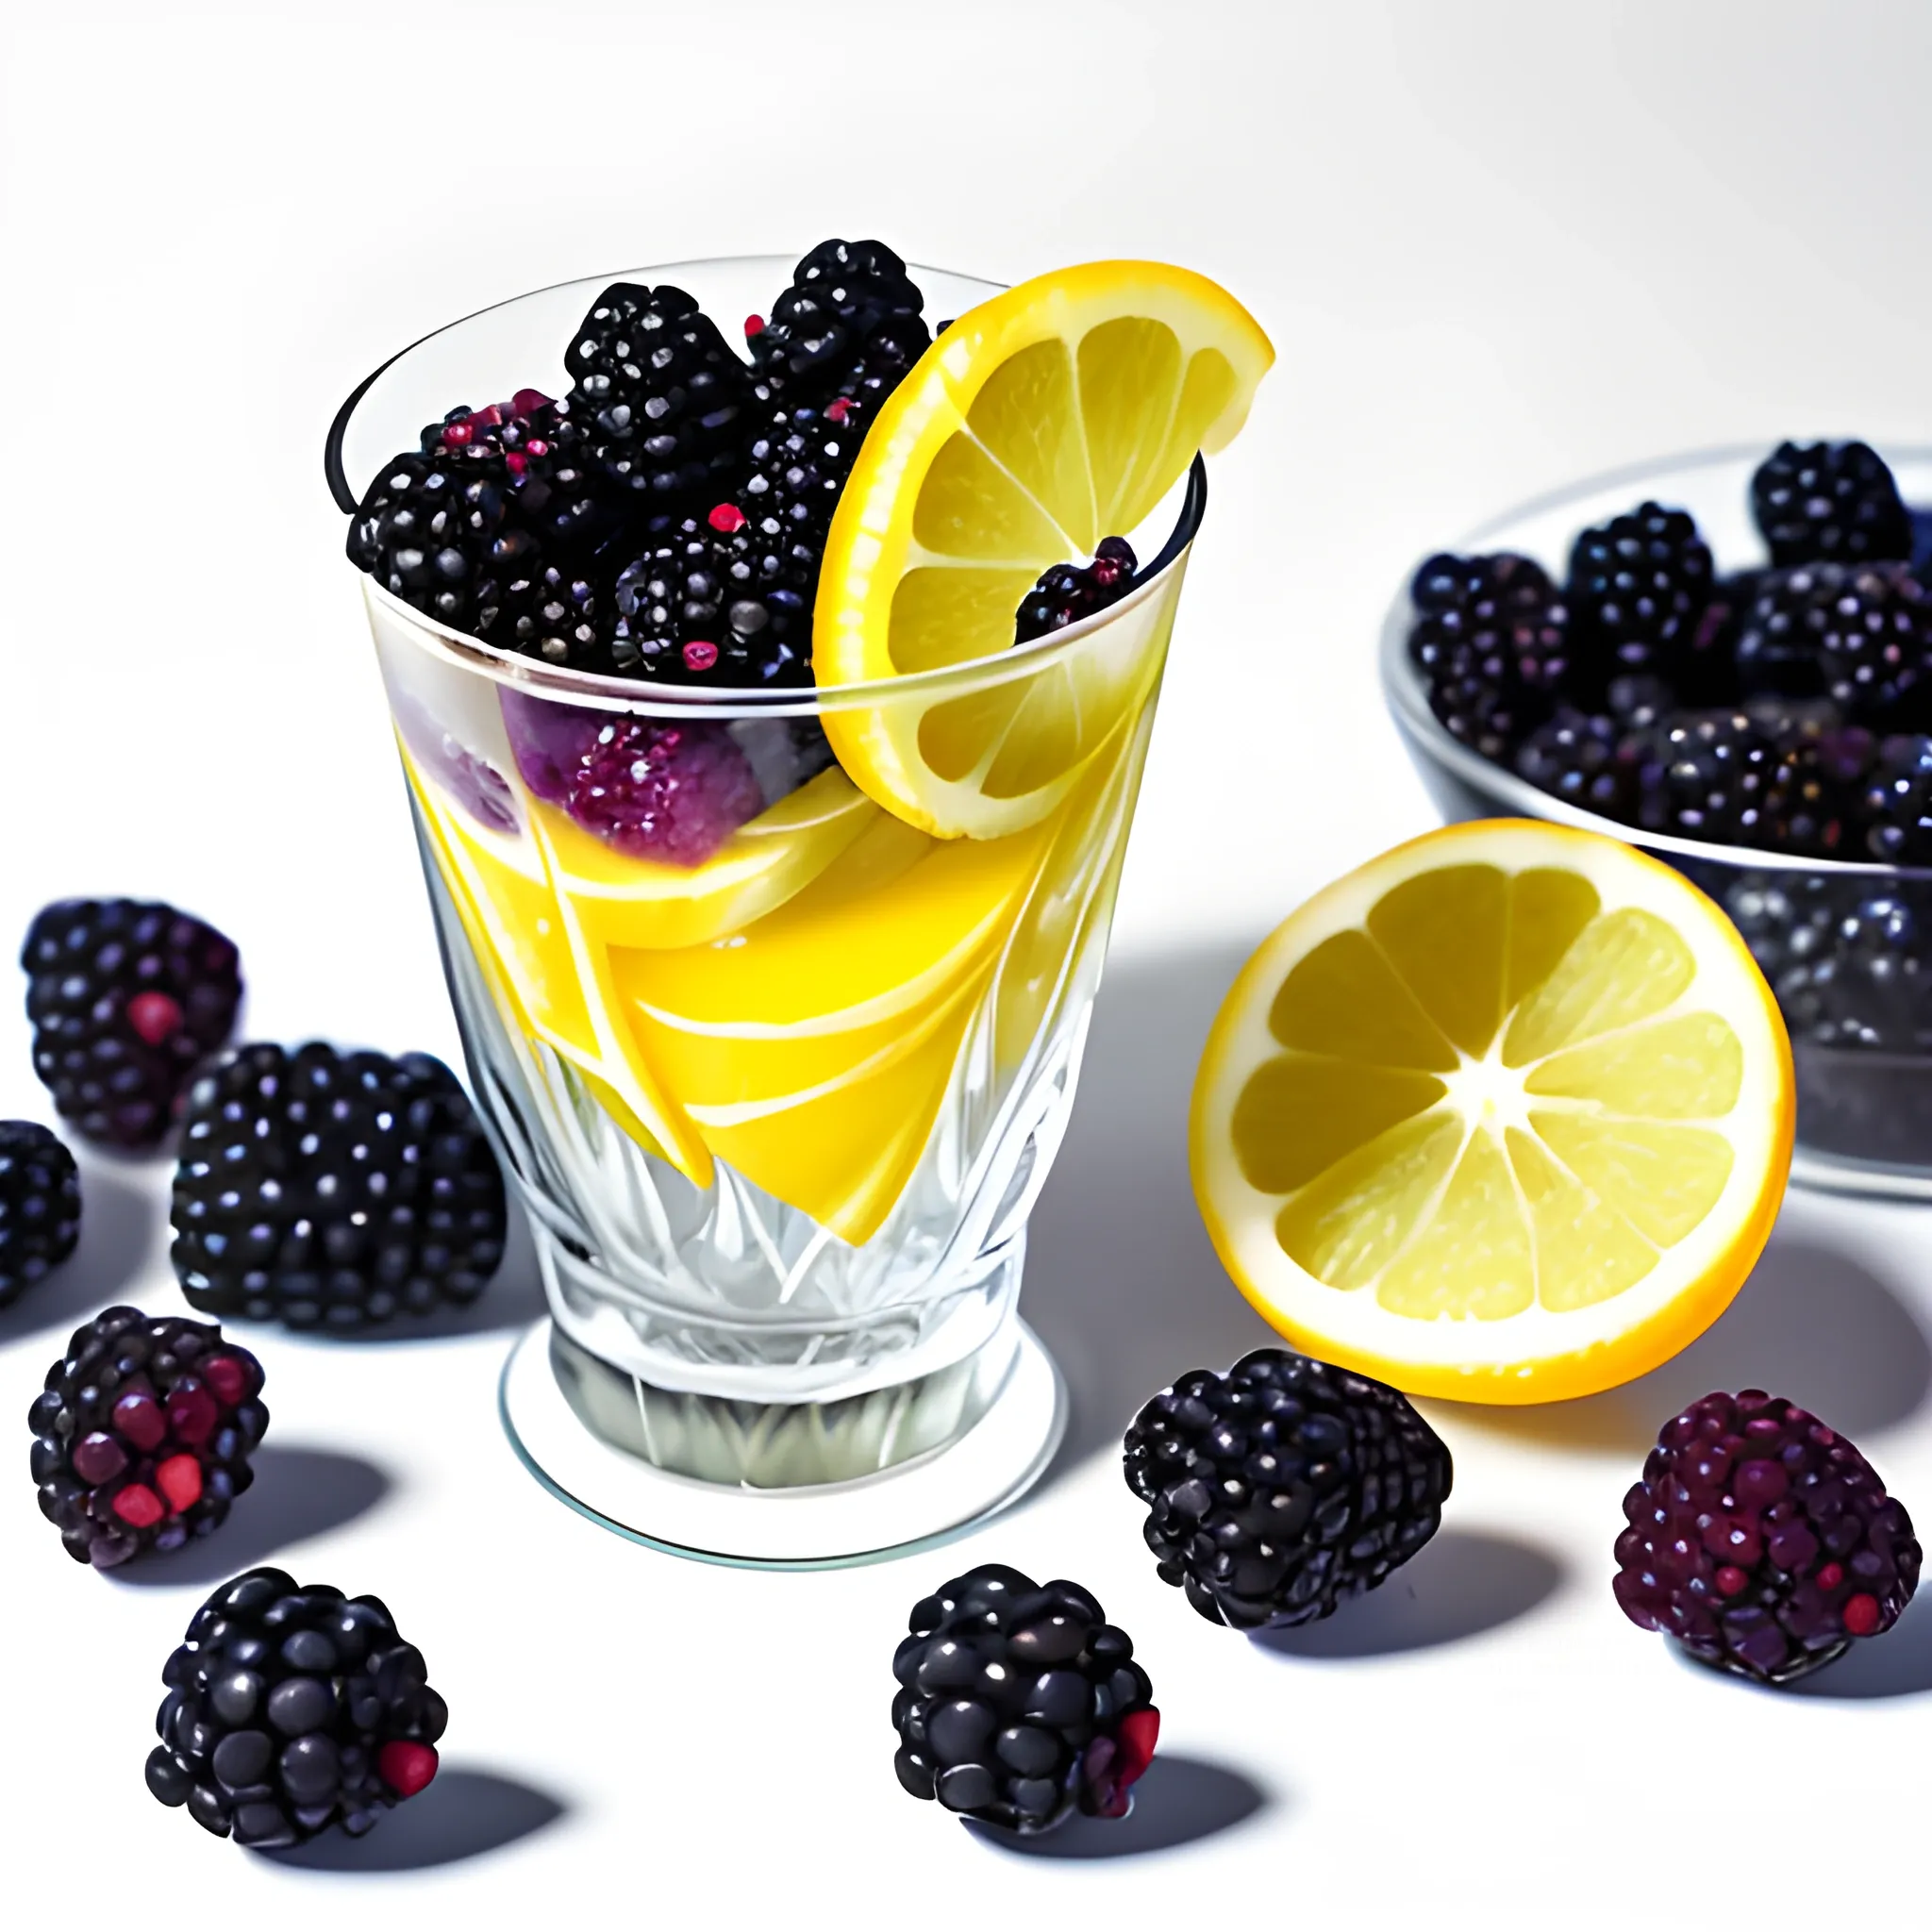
column 179, row 1481
column 753, row 325
column 405, row 1766
column 1861, row 1614
column 192, row 1413
column 139, row 1419
column 700, row 655
column 725, row 518
column 228, row 1377
column 1831, row 1576
column 139, row 1507
column 1730, row 1579
column 154, row 1016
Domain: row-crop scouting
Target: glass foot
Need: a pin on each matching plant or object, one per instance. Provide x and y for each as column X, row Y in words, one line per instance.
column 910, row 1507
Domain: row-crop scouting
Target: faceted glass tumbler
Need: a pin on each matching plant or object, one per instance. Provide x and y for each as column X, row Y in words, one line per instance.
column 777, row 1116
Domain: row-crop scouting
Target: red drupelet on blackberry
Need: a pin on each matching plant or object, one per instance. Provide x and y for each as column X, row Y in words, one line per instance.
column 1490, row 640
column 39, row 1206
column 292, row 1709
column 658, row 395
column 333, row 1190
column 1829, row 503
column 143, row 1434
column 1762, row 1540
column 1283, row 1487
column 1019, row 1703
column 1636, row 592
column 849, row 322
column 125, row 998
column 1069, row 591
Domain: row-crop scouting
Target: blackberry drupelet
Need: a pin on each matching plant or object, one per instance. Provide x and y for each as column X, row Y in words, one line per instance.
column 292, row 1709
column 1636, row 594
column 1762, row 1540
column 39, row 1206
column 1283, row 1487
column 1069, row 591
column 658, row 395
column 1829, row 503
column 1580, row 758
column 125, row 998
column 849, row 322
column 1898, row 802
column 143, row 1434
column 1704, row 775
column 333, row 1190
column 1020, row 1704
column 1490, row 640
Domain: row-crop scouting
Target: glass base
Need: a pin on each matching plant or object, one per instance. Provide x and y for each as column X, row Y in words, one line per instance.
column 911, row 1506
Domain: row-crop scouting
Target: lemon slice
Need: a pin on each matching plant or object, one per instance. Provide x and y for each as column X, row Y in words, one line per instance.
column 1052, row 416
column 1504, row 1116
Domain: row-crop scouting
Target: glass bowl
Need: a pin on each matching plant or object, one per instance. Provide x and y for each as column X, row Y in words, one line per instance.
column 1863, row 1054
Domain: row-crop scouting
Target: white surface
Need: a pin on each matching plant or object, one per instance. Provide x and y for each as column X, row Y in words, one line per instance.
column 1497, row 247
column 922, row 1503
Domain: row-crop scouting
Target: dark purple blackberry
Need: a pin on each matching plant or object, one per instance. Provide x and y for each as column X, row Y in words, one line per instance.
column 797, row 465
column 717, row 601
column 1776, row 648
column 1898, row 802
column 1020, row 1704
column 143, row 1435
column 1828, row 503
column 126, row 997
column 1490, row 640
column 658, row 395
column 1873, row 627
column 1640, row 702
column 1070, row 591
column 1790, row 921
column 562, row 616
column 1873, row 990
column 1283, row 1487
column 1637, row 589
column 1580, row 759
column 332, row 1189
column 1703, row 775
column 1814, row 790
column 538, row 459
column 849, row 322
column 39, row 1206
column 292, row 1709
column 1762, row 1540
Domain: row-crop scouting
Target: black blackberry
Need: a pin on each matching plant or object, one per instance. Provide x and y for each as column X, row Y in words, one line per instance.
column 1814, row 788
column 1762, row 1540
column 563, row 616
column 1704, row 775
column 1283, row 1487
column 1828, row 503
column 1877, row 990
column 1639, row 701
column 1776, row 651
column 719, row 601
column 333, row 1190
column 126, row 997
column 143, row 1434
column 292, row 1709
column 1579, row 758
column 39, row 1206
column 532, row 452
column 1490, row 640
column 658, row 395
column 1873, row 627
column 1790, row 922
column 1637, row 589
column 797, row 465
column 1898, row 802
column 1069, row 591
column 849, row 322
column 1018, row 1703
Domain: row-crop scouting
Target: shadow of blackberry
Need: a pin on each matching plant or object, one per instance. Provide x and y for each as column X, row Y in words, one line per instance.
column 1180, row 1801
column 465, row 1815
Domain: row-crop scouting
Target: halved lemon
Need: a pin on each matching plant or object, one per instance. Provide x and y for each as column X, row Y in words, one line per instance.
column 1054, row 415
column 1504, row 1115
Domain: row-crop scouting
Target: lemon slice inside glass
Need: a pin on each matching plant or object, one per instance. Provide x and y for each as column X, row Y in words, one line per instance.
column 1503, row 1116
column 1058, row 413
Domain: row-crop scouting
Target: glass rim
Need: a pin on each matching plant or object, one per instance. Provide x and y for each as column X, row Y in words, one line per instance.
column 604, row 691
column 1403, row 692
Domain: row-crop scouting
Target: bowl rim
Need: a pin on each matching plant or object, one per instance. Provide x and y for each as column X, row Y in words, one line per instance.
column 1404, row 694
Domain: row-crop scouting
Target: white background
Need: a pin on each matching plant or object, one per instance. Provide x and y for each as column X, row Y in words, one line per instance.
column 1496, row 247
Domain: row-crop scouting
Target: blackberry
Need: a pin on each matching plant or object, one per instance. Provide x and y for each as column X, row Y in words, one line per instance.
column 1762, row 1540
column 849, row 322
column 657, row 396
column 333, row 1190
column 292, row 1709
column 721, row 601
column 798, row 465
column 561, row 616
column 1283, row 1487
column 1776, row 650
column 1814, row 788
column 1874, row 990
column 1898, row 802
column 143, row 1434
column 1640, row 702
column 1703, row 775
column 1490, row 640
column 125, row 998
column 1790, row 922
column 1828, row 503
column 1018, row 1703
column 1070, row 591
column 537, row 459
column 1873, row 629
column 1637, row 589
column 39, row 1206
column 1580, row 758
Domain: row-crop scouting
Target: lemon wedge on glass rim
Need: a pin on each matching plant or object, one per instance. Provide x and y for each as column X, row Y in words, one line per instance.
column 1504, row 1115
column 1049, row 417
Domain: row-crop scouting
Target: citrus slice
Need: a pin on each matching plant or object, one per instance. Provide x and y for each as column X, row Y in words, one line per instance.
column 1058, row 413
column 1504, row 1116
